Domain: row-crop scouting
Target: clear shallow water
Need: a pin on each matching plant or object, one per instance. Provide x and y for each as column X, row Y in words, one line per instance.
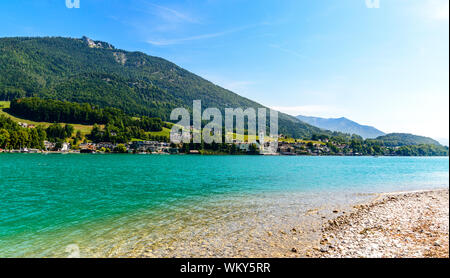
column 112, row 205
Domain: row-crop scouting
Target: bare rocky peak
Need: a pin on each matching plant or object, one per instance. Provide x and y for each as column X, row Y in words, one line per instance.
column 97, row 44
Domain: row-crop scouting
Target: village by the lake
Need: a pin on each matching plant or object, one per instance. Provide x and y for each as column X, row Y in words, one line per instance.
column 320, row 145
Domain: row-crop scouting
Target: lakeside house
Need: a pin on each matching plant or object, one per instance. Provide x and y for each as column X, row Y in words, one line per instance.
column 149, row 146
column 49, row 145
column 65, row 147
column 88, row 148
column 106, row 145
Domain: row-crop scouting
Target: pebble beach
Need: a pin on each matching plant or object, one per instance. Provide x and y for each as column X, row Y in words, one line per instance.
column 394, row 225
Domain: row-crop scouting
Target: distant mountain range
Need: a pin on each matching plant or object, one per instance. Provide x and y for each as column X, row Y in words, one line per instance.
column 342, row 125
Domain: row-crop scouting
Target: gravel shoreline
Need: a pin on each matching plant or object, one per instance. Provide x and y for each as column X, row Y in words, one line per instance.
column 394, row 225
column 388, row 225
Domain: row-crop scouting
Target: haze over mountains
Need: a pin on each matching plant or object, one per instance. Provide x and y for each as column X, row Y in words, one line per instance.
column 342, row 125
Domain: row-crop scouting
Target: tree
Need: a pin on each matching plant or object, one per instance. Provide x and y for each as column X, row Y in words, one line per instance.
column 253, row 148
column 78, row 135
column 4, row 138
column 120, row 148
column 68, row 129
column 57, row 132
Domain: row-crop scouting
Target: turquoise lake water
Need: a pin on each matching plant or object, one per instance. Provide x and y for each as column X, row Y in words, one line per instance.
column 105, row 202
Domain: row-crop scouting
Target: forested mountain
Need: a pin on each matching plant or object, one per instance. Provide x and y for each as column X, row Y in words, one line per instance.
column 86, row 71
column 342, row 125
column 405, row 139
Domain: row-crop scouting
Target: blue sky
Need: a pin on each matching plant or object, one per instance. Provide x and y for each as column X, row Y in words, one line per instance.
column 387, row 66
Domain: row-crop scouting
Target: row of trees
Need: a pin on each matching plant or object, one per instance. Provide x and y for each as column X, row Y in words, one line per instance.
column 48, row 110
column 125, row 134
column 13, row 136
column 57, row 132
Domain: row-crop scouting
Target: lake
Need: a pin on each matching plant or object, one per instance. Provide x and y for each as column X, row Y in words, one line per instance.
column 132, row 205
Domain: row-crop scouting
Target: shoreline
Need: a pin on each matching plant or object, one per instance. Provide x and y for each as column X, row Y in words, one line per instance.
column 392, row 225
column 349, row 231
column 212, row 154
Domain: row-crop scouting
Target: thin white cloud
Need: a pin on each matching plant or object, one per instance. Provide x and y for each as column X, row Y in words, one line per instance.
column 163, row 42
column 173, row 15
column 150, row 18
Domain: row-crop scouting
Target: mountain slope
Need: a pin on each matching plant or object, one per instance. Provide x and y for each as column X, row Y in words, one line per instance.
column 82, row 70
column 405, row 139
column 342, row 125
